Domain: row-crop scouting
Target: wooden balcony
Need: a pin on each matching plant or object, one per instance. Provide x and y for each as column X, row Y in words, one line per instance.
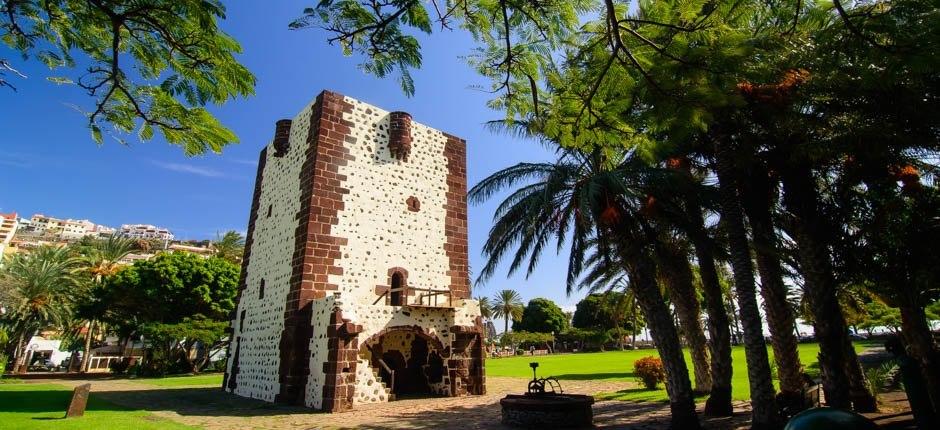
column 417, row 297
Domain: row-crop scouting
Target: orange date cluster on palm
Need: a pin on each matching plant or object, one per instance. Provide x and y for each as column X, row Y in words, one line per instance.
column 909, row 177
column 778, row 94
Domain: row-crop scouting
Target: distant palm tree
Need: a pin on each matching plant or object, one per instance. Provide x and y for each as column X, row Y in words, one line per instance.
column 486, row 307
column 230, row 246
column 507, row 305
column 36, row 293
column 99, row 261
column 486, row 312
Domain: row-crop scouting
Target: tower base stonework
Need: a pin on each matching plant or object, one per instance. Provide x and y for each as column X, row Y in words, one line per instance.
column 354, row 286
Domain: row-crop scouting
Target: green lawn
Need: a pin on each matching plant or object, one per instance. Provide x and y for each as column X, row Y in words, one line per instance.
column 618, row 365
column 179, row 381
column 42, row 406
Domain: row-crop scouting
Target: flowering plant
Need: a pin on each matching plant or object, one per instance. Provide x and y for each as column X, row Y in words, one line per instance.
column 650, row 370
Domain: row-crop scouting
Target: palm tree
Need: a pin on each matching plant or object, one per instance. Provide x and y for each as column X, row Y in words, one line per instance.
column 689, row 216
column 486, row 307
column 591, row 196
column 765, row 411
column 607, row 276
column 676, row 273
column 100, row 260
column 507, row 305
column 37, row 290
column 486, row 312
column 758, row 194
column 230, row 246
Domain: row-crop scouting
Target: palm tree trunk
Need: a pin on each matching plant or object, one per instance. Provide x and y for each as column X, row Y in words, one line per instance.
column 719, row 331
column 917, row 336
column 819, row 286
column 735, row 325
column 757, row 194
column 19, row 365
column 677, row 273
column 642, row 271
column 86, row 351
column 765, row 413
column 633, row 316
column 863, row 400
column 719, row 399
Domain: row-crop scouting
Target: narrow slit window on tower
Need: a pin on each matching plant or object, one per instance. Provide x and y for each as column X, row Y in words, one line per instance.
column 261, row 290
column 396, row 291
column 269, row 210
column 241, row 321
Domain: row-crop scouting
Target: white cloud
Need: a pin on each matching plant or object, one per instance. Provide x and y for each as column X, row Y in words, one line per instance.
column 189, row 168
column 245, row 162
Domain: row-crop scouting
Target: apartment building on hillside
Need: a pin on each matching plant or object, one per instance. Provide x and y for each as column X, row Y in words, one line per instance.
column 66, row 228
column 8, row 225
column 146, row 231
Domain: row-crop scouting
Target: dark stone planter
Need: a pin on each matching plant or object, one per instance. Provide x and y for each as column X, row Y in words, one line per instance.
column 548, row 410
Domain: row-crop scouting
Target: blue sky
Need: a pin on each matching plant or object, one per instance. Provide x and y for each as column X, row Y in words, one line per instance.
column 49, row 164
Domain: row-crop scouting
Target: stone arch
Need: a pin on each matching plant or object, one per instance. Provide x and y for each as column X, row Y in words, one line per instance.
column 419, row 331
column 419, row 366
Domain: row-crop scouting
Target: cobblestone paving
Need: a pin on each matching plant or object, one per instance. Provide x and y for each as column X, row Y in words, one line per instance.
column 210, row 408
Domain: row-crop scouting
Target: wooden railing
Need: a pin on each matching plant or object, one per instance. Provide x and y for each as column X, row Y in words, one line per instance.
column 432, row 297
column 391, row 372
column 416, row 296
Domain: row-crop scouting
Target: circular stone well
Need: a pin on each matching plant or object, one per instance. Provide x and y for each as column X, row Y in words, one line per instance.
column 548, row 410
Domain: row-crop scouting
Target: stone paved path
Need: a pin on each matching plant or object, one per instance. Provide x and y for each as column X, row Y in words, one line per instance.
column 210, row 408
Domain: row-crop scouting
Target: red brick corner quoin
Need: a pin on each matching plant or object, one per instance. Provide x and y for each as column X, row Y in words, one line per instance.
column 455, row 225
column 315, row 248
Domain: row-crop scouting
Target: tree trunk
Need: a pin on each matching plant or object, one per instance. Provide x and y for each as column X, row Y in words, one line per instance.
column 642, row 273
column 735, row 325
column 819, row 286
column 920, row 344
column 633, row 339
column 765, row 413
column 86, row 351
column 863, row 400
column 758, row 194
column 677, row 274
column 719, row 332
column 19, row 363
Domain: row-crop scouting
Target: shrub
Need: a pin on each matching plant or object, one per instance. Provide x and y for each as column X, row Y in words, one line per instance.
column 879, row 376
column 650, row 370
column 219, row 365
column 119, row 367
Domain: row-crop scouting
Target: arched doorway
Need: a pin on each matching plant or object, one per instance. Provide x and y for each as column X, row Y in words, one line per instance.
column 415, row 358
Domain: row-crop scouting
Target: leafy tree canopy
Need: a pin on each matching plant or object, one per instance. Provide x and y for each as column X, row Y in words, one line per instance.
column 597, row 311
column 168, row 289
column 541, row 316
column 148, row 64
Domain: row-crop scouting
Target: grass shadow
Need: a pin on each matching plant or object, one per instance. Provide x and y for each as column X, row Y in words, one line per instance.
column 208, row 401
column 47, row 400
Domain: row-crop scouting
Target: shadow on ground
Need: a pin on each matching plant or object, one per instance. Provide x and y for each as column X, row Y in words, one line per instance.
column 42, row 400
column 205, row 401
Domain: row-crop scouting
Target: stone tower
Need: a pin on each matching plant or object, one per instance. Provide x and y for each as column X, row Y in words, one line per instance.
column 354, row 285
